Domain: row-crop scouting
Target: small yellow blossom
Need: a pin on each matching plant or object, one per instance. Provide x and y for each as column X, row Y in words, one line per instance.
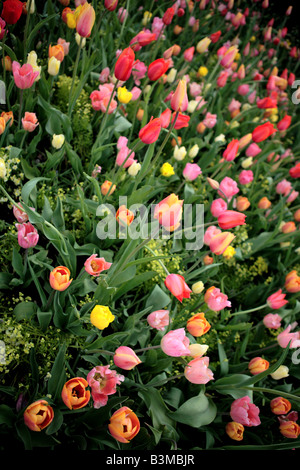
column 167, row 170
column 229, row 252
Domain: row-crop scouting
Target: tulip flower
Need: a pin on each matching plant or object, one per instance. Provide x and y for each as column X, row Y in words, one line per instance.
column 216, row 300
column 150, row 132
column 106, row 187
column 74, row 393
column 229, row 219
column 277, row 300
column 228, row 57
column 280, row 406
column 124, row 216
column 12, row 11
column 168, row 16
column 60, row 278
column 290, row 429
column 85, row 20
column 125, row 358
column 281, row 373
column 262, row 132
column 24, row 76
column 110, row 5
column 182, row 120
column 179, row 100
column 124, row 64
column 272, row 321
column 103, row 382
column 191, row 171
column 57, row 141
column 198, row 372
column 101, row 317
column 177, row 286
column 94, row 265
column 53, row 66
column 157, row 69
column 286, row 337
column 231, row 150
column 169, row 212
column 292, row 282
column 56, row 51
column 175, row 343
column 220, row 242
column 20, row 215
column 244, row 412
column 158, row 319
column 295, row 171
column 124, row 425
column 28, row 236
column 285, row 123
column 235, row 431
column 38, row 415
column 29, row 122
column 257, row 365
column 197, row 325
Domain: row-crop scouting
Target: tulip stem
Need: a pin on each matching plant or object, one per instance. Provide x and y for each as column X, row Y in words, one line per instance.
column 50, row 300
column 250, row 310
column 74, row 76
column 26, row 28
column 147, row 349
column 20, row 109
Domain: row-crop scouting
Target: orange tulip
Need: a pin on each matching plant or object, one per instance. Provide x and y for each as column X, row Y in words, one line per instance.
column 2, row 125
column 169, row 212
column 8, row 115
column 56, row 51
column 280, row 406
column 38, row 415
column 235, row 431
column 60, row 278
column 264, row 203
column 124, row 425
column 74, row 393
column 290, row 429
column 197, row 325
column 292, row 282
column 105, row 187
column 258, row 365
column 124, row 216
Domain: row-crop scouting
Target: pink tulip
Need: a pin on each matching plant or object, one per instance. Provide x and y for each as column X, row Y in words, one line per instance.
column 29, row 122
column 230, row 219
column 21, row 216
column 191, row 171
column 246, row 177
column 122, row 156
column 217, row 207
column 189, row 54
column 222, row 79
column 284, row 187
column 195, row 89
column 216, row 300
column 94, row 265
column 125, row 358
column 198, row 372
column 158, row 319
column 285, row 337
column 272, row 321
column 210, row 120
column 24, row 76
column 253, row 150
column 165, row 118
column 243, row 90
column 210, row 232
column 175, row 343
column 103, row 77
column 234, row 105
column 65, row 45
column 103, row 382
column 136, row 92
column 228, row 187
column 244, row 412
column 27, row 235
column 276, row 300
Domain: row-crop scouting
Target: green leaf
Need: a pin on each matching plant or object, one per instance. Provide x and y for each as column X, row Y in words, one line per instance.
column 158, row 299
column 24, row 310
column 224, row 364
column 156, row 407
column 7, row 416
column 44, row 319
column 29, row 187
column 195, row 412
column 56, row 423
column 17, row 262
column 230, row 386
column 58, row 374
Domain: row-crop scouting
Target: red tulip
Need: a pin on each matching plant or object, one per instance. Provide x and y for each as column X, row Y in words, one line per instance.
column 124, row 64
column 177, row 286
column 157, row 69
column 262, row 132
column 150, row 133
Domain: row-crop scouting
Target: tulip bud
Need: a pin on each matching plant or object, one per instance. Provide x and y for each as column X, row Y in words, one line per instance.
column 281, row 373
column 235, row 431
column 258, row 365
column 58, row 140
column 125, row 358
column 198, row 287
column 101, row 317
column 53, row 66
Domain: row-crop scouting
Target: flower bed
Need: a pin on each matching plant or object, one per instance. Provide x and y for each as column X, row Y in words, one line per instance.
column 149, row 176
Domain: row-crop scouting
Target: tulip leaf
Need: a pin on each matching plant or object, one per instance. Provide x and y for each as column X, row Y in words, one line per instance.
column 58, row 374
column 196, row 412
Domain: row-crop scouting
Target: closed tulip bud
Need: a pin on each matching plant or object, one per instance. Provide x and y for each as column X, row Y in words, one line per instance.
column 125, row 358
column 110, row 5
column 281, row 373
column 235, row 431
column 292, row 282
column 74, row 393
column 58, row 141
column 247, row 163
column 264, row 203
column 197, row 325
column 289, row 429
column 207, row 260
column 177, row 29
column 220, row 242
column 157, row 69
column 177, row 286
column 280, row 406
column 80, row 41
column 134, row 169
column 288, row 227
column 38, row 415
column 168, row 212
column 193, row 152
column 277, row 300
column 140, row 114
column 53, row 66
column 56, row 51
column 124, row 64
column 60, row 278
column 245, row 140
column 257, row 365
column 171, row 75
column 229, row 219
column 179, row 100
column 106, row 187
column 197, row 371
column 168, row 16
column 150, row 133
column 179, row 153
column 2, row 125
column 231, row 150
column 198, row 287
column 213, row 183
column 197, row 350
column 201, row 128
column 242, row 203
column 85, row 20
column 7, row 63
column 124, row 425
column 262, row 132
column 203, row 45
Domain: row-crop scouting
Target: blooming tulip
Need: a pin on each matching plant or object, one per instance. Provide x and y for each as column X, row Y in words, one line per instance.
column 94, row 265
column 101, row 317
column 150, row 132
column 125, row 358
column 229, row 219
column 272, row 321
column 124, row 425
column 168, row 212
column 24, row 76
column 262, row 132
column 175, row 343
column 290, row 429
column 29, row 122
column 244, row 412
column 74, row 393
column 28, row 236
column 177, row 286
column 197, row 371
column 60, row 278
column 158, row 319
column 216, row 300
column 217, row 207
column 103, row 382
column 38, row 415
column 286, row 337
column 56, row 51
